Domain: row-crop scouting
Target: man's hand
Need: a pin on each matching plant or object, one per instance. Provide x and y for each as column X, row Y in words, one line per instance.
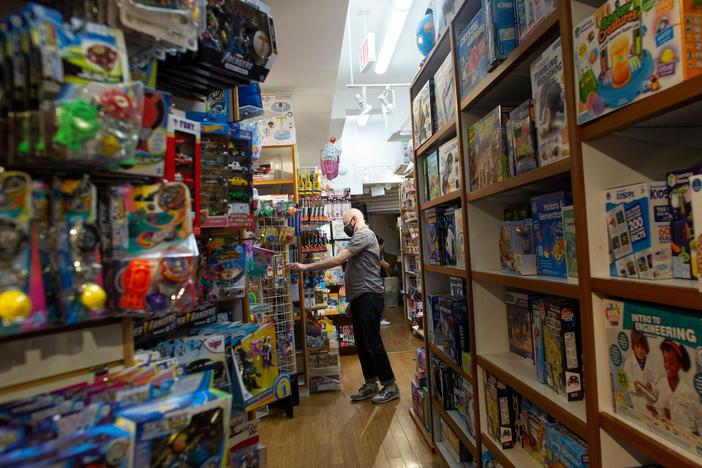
column 297, row 267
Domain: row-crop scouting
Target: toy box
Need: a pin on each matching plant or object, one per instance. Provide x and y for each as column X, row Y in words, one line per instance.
column 565, row 449
column 435, row 236
column 449, row 167
column 452, row 244
column 682, row 243
column 460, row 236
column 499, row 411
column 472, row 54
column 650, row 346
column 532, row 422
column 696, row 202
column 251, row 456
column 561, row 342
column 183, row 159
column 627, row 51
column 469, row 401
column 445, row 92
column 548, row 233
column 519, row 325
column 487, row 149
column 423, row 114
column 568, row 215
column 528, row 13
column 452, row 315
column 500, row 30
column 433, row 175
column 548, row 90
column 516, row 245
column 538, row 313
column 523, row 138
column 489, row 460
column 444, row 11
column 151, row 150
column 638, row 228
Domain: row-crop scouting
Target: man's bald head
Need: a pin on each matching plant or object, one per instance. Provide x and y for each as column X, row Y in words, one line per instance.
column 352, row 214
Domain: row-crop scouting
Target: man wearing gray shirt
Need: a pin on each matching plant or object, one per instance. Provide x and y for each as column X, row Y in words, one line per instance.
column 364, row 291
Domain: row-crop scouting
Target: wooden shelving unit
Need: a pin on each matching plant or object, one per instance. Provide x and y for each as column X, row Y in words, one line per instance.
column 636, row 143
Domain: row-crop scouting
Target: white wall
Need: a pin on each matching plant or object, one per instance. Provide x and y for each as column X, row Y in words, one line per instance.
column 385, row 226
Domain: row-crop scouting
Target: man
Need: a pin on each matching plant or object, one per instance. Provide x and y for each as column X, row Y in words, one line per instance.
column 364, row 291
column 383, row 274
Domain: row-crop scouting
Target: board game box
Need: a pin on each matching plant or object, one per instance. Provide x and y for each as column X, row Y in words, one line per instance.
column 538, row 313
column 500, row 30
column 549, row 237
column 433, row 175
column 423, row 114
column 563, row 448
column 682, row 243
column 530, row 427
column 453, row 315
column 655, row 365
column 500, row 411
column 516, row 246
column 445, row 92
column 629, row 49
column 568, row 215
column 548, row 89
column 472, row 54
column 519, row 325
column 638, row 228
column 487, row 149
column 523, row 137
column 460, row 237
column 449, row 167
column 435, row 236
column 451, row 241
column 562, row 361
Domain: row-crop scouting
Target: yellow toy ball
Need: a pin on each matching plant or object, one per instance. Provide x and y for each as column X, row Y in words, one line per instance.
column 93, row 297
column 14, row 305
column 109, row 145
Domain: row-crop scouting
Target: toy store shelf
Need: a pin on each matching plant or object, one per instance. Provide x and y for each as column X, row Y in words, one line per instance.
column 447, row 455
column 438, row 352
column 457, row 425
column 274, row 182
column 421, row 428
column 59, row 329
column 446, row 131
column 446, row 270
column 449, row 197
column 418, row 332
column 532, row 177
column 516, row 457
column 547, row 28
column 659, row 103
column 522, row 378
column 543, row 284
column 671, row 292
column 659, row 449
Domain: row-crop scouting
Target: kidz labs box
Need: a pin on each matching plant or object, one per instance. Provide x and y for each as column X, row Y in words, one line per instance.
column 628, row 50
column 516, row 245
column 638, row 226
column 500, row 411
column 523, row 136
column 651, row 348
column 500, row 30
column 472, row 54
column 563, row 448
column 423, row 114
column 449, row 167
column 549, row 238
column 487, row 149
column 682, row 244
column 548, row 89
column 519, row 325
column 568, row 214
column 561, row 335
column 433, row 175
column 445, row 92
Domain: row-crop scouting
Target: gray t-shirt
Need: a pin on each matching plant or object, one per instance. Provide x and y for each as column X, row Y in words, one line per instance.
column 363, row 269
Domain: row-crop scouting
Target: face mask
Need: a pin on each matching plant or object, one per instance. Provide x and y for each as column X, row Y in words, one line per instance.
column 349, row 229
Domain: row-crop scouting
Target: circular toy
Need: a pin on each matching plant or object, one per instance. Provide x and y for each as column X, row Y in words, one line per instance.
column 425, row 33
column 116, row 103
column 175, row 269
column 102, row 55
column 14, row 305
column 261, row 47
column 109, row 145
column 157, row 301
column 77, row 122
column 93, row 297
column 172, row 197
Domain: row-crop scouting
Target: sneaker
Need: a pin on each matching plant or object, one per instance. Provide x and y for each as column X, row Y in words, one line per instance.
column 384, row 322
column 365, row 392
column 388, row 393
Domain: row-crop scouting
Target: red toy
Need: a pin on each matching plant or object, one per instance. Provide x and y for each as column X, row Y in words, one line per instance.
column 183, row 160
column 136, row 281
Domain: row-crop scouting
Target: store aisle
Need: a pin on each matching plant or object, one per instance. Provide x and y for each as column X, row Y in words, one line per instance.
column 330, row 431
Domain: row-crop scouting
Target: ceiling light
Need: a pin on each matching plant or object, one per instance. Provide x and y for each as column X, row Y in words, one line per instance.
column 392, row 34
column 387, row 99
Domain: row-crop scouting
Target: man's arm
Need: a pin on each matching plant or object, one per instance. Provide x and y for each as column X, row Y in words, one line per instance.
column 338, row 260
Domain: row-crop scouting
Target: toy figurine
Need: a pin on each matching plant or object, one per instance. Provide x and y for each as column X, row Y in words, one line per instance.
column 248, row 370
column 267, row 350
column 136, row 280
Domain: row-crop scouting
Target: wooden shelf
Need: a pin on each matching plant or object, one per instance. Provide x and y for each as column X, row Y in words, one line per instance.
column 656, row 104
column 528, row 178
column 446, row 453
column 443, row 133
column 432, row 61
column 274, row 182
column 659, row 449
column 516, row 457
column 671, row 292
column 458, row 427
column 421, row 428
column 543, row 284
column 446, row 270
column 438, row 352
column 58, row 329
column 449, row 197
column 529, row 44
column 522, row 377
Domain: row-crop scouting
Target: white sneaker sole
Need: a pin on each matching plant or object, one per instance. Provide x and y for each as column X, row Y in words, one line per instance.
column 394, row 397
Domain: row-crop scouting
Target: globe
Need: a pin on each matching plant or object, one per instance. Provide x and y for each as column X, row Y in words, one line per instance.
column 425, row 33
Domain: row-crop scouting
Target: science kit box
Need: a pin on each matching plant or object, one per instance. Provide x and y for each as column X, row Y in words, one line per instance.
column 433, row 175
column 500, row 28
column 563, row 448
column 516, row 246
column 568, row 215
column 423, row 114
column 549, row 237
column 453, row 317
column 523, row 136
column 561, row 341
column 472, row 54
column 453, row 235
column 532, row 422
column 655, row 365
column 500, row 411
column 445, row 92
column 435, row 236
column 449, row 167
column 548, row 89
column 487, row 149
column 460, row 237
column 519, row 325
column 682, row 243
column 627, row 50
column 528, row 13
column 638, row 227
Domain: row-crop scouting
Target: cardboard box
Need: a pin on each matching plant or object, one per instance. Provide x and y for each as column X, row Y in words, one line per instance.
column 565, row 449
column 445, row 92
column 449, row 167
column 500, row 28
column 523, row 137
column 423, row 114
column 549, row 237
column 499, row 411
column 519, row 325
column 433, row 175
column 696, row 202
column 516, row 245
column 561, row 332
column 472, row 54
column 568, row 215
column 538, row 313
column 528, row 13
column 682, row 244
column 487, row 149
column 435, row 236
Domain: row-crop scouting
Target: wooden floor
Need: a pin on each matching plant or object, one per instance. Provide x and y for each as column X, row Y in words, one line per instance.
column 330, row 431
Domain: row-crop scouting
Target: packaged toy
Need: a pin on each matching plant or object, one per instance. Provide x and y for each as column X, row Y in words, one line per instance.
column 433, row 175
column 538, row 315
column 548, row 233
column 452, row 316
column 183, row 160
column 226, row 257
column 451, row 245
column 638, row 225
column 499, row 411
column 682, row 243
column 568, row 215
column 423, row 114
column 176, row 23
column 696, row 202
column 444, row 11
column 532, row 433
column 489, row 460
column 198, row 354
column 516, row 245
column 460, row 237
column 528, row 13
column 487, row 149
column 500, row 29
column 150, row 152
column 251, row 456
column 435, row 236
column 523, row 137
column 654, row 363
column 445, row 92
column 564, row 448
column 548, row 89
column 449, row 167
column 561, row 342
column 519, row 325
column 625, row 51
column 472, row 54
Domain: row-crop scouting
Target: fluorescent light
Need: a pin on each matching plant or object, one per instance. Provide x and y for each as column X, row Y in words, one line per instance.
column 362, row 120
column 392, row 34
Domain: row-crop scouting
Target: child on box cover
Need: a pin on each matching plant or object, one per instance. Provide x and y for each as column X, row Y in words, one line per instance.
column 673, row 398
column 641, row 373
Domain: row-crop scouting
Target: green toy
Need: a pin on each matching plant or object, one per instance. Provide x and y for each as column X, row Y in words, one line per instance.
column 77, row 122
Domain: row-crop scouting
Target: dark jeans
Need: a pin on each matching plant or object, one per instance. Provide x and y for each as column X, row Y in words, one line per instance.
column 365, row 316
